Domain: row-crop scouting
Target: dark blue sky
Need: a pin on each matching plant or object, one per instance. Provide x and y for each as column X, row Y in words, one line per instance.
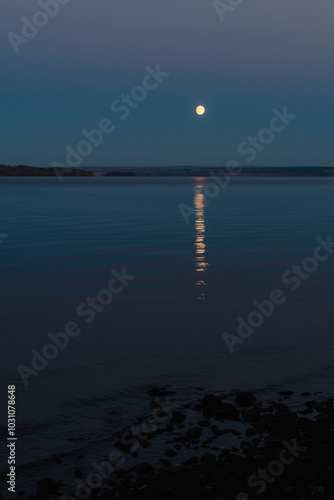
column 264, row 54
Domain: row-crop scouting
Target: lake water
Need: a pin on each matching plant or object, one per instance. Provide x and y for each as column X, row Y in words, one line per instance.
column 192, row 282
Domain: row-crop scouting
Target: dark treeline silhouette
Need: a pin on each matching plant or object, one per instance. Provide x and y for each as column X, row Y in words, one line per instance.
column 26, row 171
column 179, row 171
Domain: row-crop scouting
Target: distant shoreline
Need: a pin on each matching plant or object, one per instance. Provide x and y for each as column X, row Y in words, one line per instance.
column 180, row 171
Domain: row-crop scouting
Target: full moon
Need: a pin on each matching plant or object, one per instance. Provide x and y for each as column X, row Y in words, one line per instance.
column 200, row 110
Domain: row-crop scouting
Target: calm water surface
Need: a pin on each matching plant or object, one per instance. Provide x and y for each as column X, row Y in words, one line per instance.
column 192, row 283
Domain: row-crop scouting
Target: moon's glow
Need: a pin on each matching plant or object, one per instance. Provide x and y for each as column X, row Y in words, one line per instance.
column 200, row 110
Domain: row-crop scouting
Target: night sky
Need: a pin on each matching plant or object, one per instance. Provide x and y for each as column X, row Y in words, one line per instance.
column 264, row 54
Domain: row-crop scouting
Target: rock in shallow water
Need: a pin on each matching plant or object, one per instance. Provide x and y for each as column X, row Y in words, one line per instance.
column 210, row 404
column 144, row 469
column 159, row 391
column 170, row 453
column 244, row 398
column 46, row 487
column 177, row 417
column 226, row 412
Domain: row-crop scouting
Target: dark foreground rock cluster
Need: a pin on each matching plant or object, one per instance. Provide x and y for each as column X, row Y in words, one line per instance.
column 284, row 451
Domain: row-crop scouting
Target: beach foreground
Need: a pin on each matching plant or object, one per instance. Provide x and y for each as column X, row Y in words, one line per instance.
column 238, row 448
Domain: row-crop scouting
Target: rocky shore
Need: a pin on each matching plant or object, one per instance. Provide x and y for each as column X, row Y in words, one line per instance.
column 280, row 451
